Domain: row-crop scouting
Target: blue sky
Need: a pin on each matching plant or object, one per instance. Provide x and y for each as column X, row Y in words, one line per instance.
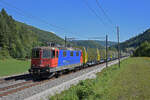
column 132, row 16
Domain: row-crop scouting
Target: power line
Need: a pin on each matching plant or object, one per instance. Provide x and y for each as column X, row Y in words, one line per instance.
column 14, row 10
column 23, row 13
column 29, row 15
column 104, row 12
column 94, row 12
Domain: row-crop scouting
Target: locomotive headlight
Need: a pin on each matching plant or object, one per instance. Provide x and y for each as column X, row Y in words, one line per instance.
column 47, row 70
column 39, row 71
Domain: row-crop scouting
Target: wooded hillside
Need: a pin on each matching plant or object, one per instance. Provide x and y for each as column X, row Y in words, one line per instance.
column 136, row 41
column 17, row 39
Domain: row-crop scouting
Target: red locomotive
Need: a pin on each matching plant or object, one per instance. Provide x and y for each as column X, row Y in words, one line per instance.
column 47, row 61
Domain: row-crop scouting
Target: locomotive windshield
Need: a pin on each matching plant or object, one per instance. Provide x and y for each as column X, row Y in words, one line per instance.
column 35, row 53
column 46, row 54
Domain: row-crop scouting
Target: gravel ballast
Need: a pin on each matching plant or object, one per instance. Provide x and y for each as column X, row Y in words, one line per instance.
column 41, row 92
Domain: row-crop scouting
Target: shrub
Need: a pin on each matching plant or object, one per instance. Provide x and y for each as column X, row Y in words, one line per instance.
column 143, row 50
column 84, row 89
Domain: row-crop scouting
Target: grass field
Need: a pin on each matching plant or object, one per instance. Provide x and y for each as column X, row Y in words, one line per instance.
column 13, row 66
column 130, row 82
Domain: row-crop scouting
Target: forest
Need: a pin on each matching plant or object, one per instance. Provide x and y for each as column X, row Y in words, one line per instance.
column 17, row 39
column 136, row 41
column 143, row 50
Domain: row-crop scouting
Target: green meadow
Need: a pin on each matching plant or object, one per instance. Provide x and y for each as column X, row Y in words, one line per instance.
column 13, row 66
column 129, row 82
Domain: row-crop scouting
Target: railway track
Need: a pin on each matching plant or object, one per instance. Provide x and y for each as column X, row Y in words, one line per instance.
column 11, row 84
column 15, row 85
column 10, row 89
column 22, row 85
column 27, row 84
column 14, row 78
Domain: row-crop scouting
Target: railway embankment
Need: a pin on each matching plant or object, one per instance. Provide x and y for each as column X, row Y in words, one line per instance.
column 129, row 82
column 68, row 81
column 38, row 90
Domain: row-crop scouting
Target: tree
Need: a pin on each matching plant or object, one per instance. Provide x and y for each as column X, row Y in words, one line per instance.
column 143, row 50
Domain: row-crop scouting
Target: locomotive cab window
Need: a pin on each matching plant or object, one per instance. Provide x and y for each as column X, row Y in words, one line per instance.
column 64, row 53
column 71, row 54
column 77, row 53
column 46, row 54
column 35, row 53
column 53, row 54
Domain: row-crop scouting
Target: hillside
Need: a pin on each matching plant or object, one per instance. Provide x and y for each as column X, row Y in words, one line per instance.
column 87, row 43
column 103, row 43
column 17, row 39
column 136, row 41
column 93, row 43
column 44, row 36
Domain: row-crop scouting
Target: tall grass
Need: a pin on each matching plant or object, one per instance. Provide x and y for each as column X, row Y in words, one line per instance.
column 129, row 82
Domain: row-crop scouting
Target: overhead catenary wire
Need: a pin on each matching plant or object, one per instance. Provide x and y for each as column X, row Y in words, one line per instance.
column 97, row 15
column 104, row 12
column 106, row 15
column 27, row 15
column 94, row 12
column 22, row 15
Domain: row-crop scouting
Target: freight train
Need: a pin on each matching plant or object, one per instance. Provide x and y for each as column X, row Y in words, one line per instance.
column 49, row 61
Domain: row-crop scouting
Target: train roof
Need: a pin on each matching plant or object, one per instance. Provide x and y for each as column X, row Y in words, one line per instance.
column 60, row 48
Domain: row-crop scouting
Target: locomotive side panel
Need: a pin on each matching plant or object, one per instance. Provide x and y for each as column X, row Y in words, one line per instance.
column 68, row 57
column 54, row 58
